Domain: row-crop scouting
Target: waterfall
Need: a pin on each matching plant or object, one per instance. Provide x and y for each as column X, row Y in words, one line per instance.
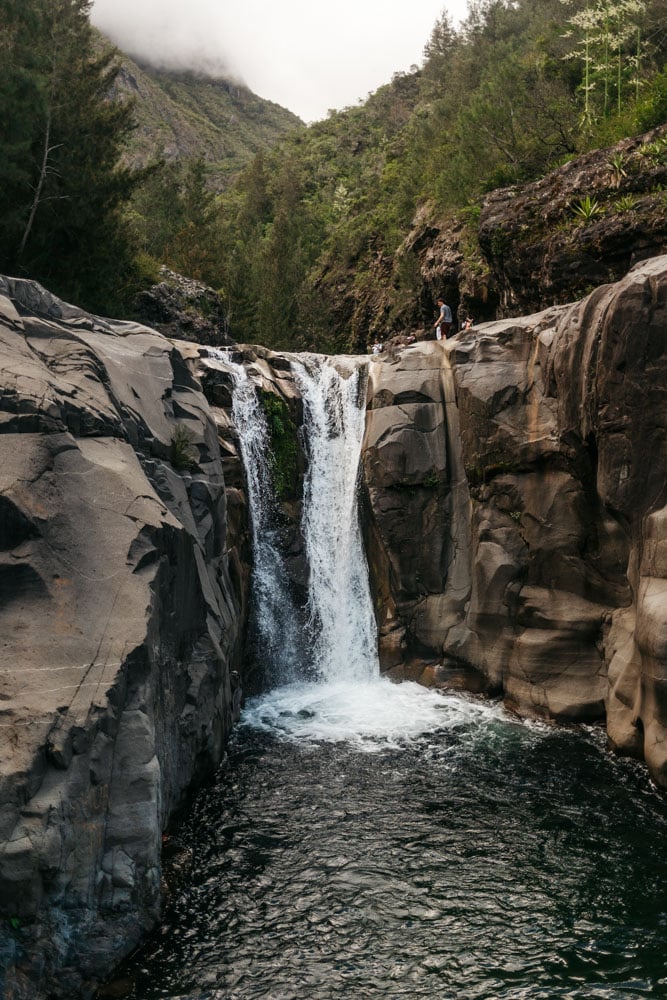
column 341, row 622
column 334, row 637
column 275, row 630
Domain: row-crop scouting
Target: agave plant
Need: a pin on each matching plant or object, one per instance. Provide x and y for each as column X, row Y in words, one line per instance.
column 617, row 163
column 655, row 151
column 586, row 208
column 625, row 203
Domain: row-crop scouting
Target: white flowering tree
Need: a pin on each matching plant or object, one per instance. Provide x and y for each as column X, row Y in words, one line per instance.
column 607, row 39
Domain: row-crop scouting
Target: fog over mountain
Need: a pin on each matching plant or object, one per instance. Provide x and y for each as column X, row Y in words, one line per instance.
column 307, row 57
column 171, row 33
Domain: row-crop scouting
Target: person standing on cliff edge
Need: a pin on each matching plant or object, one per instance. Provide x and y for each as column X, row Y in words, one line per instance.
column 443, row 323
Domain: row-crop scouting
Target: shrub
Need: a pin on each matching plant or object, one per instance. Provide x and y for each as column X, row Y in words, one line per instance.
column 182, row 454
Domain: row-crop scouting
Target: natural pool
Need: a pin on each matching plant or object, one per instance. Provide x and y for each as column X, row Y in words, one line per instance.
column 381, row 841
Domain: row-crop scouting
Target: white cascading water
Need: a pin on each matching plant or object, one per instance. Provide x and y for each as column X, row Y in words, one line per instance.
column 349, row 702
column 276, row 630
column 340, row 608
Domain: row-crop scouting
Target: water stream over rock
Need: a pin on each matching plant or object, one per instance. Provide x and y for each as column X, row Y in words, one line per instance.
column 341, row 621
column 371, row 840
column 274, row 630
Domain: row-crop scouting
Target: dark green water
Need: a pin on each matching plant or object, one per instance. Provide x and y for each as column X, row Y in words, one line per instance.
column 482, row 859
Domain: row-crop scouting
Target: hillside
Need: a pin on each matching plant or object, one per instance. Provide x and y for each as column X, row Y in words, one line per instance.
column 342, row 234
column 182, row 116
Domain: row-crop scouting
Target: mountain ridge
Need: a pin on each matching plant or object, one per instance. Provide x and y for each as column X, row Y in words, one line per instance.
column 182, row 115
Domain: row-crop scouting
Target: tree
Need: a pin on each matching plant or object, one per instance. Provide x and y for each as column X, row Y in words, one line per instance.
column 62, row 188
column 608, row 41
column 438, row 52
column 193, row 248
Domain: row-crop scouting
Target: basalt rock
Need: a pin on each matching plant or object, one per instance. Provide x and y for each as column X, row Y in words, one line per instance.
column 515, row 513
column 580, row 226
column 185, row 309
column 119, row 629
column 516, row 482
column 533, row 245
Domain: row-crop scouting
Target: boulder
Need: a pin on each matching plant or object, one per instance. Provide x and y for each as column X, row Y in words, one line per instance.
column 181, row 307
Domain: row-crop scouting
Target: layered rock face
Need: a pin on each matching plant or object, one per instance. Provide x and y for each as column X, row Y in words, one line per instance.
column 119, row 629
column 516, row 483
column 581, row 225
column 515, row 511
column 542, row 243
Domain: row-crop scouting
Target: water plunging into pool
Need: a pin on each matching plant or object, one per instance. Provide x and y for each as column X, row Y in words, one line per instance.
column 337, row 646
column 274, row 629
column 341, row 621
column 378, row 841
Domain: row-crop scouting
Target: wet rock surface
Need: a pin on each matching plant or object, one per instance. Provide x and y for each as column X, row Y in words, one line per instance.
column 515, row 517
column 516, row 510
column 119, row 627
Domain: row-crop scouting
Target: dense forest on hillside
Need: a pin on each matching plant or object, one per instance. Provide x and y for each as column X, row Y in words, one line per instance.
column 518, row 88
column 182, row 115
column 63, row 193
column 79, row 123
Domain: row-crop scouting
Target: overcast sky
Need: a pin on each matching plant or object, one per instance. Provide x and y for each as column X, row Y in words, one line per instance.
column 307, row 55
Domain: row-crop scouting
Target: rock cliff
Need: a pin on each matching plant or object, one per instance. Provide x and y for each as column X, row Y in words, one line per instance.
column 516, row 482
column 515, row 515
column 119, row 629
column 525, row 247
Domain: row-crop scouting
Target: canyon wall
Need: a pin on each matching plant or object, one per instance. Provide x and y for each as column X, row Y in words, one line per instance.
column 120, row 628
column 514, row 504
column 516, row 520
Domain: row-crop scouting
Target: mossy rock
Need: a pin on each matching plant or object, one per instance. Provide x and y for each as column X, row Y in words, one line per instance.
column 284, row 447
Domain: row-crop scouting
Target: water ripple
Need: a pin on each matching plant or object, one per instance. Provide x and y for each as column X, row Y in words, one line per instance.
column 471, row 858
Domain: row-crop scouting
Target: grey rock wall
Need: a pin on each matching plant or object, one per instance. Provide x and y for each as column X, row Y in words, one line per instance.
column 119, row 627
column 516, row 481
column 515, row 510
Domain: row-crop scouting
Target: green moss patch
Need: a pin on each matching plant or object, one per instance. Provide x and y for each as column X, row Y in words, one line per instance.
column 284, row 448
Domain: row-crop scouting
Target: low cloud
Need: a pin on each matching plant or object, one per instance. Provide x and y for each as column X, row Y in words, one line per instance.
column 170, row 33
column 306, row 56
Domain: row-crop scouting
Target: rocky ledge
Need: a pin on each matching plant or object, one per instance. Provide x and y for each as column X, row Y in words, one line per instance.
column 185, row 309
column 516, row 521
column 119, row 629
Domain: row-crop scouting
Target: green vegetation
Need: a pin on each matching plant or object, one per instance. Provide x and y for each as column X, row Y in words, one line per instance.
column 488, row 468
column 586, row 208
column 75, row 145
column 625, row 203
column 284, row 452
column 182, row 454
column 618, row 165
column 197, row 118
column 308, row 242
column 61, row 186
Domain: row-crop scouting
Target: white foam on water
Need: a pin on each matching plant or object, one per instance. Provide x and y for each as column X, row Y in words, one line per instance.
column 370, row 715
column 349, row 703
